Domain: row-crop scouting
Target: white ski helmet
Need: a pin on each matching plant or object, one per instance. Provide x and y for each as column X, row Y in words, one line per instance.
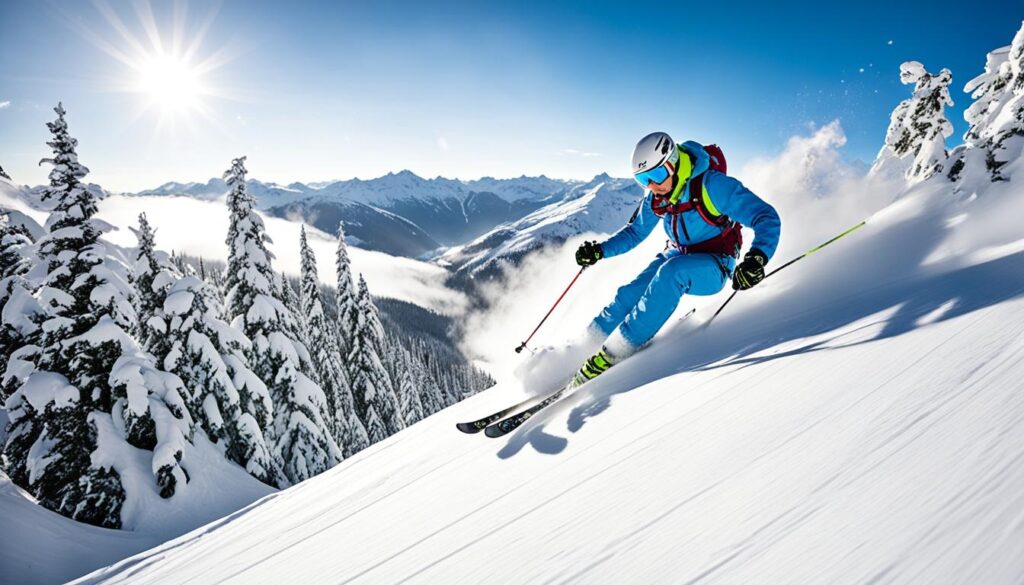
column 653, row 150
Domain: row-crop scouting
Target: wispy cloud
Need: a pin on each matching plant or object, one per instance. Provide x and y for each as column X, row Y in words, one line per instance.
column 442, row 143
column 574, row 152
column 5, row 104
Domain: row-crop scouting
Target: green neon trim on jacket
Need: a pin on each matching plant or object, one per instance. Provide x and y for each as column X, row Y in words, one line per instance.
column 708, row 204
column 685, row 168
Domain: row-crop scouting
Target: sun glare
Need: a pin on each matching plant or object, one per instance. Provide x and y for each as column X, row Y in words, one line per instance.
column 165, row 62
column 170, row 82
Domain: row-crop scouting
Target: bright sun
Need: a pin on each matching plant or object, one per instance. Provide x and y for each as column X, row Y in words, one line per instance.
column 170, row 82
column 162, row 49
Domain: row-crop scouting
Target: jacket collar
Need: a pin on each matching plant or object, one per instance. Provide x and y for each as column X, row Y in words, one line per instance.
column 698, row 160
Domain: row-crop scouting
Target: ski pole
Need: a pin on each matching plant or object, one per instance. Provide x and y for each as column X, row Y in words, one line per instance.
column 800, row 257
column 523, row 344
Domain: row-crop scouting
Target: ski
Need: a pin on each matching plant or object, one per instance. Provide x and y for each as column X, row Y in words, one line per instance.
column 507, row 425
column 480, row 424
column 504, row 422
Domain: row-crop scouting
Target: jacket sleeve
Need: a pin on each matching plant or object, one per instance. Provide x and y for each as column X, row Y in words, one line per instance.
column 730, row 197
column 634, row 232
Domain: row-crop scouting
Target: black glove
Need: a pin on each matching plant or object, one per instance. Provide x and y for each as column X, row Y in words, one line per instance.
column 750, row 271
column 589, row 253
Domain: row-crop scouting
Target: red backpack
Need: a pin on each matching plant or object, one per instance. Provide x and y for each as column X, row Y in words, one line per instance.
column 717, row 157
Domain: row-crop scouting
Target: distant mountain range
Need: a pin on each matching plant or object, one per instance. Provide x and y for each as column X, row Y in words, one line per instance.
column 602, row 205
column 404, row 214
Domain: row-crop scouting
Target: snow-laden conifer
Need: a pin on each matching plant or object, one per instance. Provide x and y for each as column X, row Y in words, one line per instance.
column 298, row 437
column 91, row 385
column 431, row 395
column 326, row 353
column 151, row 276
column 376, row 430
column 297, row 326
column 407, row 387
column 347, row 310
column 16, row 326
column 371, row 384
column 230, row 401
column 180, row 324
column 15, row 254
column 915, row 144
column 995, row 134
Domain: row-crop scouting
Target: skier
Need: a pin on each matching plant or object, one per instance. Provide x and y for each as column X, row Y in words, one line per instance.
column 703, row 210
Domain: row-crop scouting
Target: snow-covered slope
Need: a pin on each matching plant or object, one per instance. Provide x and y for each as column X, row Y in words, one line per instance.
column 32, row 551
column 35, row 556
column 858, row 418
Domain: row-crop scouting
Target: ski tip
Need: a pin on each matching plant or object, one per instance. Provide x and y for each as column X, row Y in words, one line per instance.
column 468, row 428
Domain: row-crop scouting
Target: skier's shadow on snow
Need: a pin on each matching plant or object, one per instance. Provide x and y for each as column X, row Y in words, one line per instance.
column 884, row 275
column 534, row 436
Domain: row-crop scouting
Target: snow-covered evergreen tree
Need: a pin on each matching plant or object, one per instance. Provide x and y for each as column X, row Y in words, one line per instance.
column 345, row 300
column 376, row 430
column 300, row 441
column 326, row 353
column 151, row 276
column 432, row 396
column 16, row 259
column 180, row 324
column 996, row 118
column 15, row 241
column 297, row 327
column 230, row 401
column 353, row 434
column 91, row 387
column 371, row 385
column 915, row 144
column 407, row 387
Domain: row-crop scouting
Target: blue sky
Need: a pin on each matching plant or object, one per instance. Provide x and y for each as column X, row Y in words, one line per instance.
column 322, row 90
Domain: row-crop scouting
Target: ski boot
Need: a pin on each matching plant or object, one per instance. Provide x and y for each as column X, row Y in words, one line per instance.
column 593, row 367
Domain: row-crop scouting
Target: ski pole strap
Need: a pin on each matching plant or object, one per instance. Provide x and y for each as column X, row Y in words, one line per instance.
column 523, row 344
column 800, row 257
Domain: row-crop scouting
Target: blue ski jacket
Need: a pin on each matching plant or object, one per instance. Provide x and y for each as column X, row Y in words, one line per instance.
column 727, row 195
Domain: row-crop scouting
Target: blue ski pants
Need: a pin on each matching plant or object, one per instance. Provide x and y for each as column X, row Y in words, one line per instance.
column 641, row 307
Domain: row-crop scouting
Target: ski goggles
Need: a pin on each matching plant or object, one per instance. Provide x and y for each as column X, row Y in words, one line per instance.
column 656, row 175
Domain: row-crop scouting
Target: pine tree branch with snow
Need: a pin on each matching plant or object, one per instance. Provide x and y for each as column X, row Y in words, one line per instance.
column 915, row 143
column 995, row 135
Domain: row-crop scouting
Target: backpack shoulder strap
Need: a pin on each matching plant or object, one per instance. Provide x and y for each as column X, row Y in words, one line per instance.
column 701, row 201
